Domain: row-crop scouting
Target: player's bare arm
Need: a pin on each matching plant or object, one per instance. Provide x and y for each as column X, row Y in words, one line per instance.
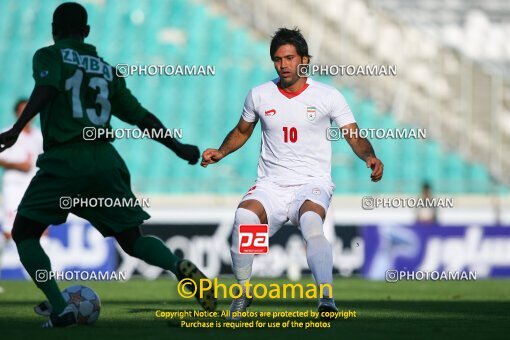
column 40, row 97
column 188, row 152
column 234, row 140
column 24, row 166
column 364, row 150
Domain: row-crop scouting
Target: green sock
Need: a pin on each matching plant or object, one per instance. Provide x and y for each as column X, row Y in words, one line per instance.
column 35, row 259
column 153, row 251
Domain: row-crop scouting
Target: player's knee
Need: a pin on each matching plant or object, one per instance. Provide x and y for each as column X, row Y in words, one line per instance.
column 242, row 216
column 245, row 216
column 17, row 233
column 127, row 240
column 126, row 245
column 255, row 207
column 24, row 228
column 311, row 226
column 309, row 206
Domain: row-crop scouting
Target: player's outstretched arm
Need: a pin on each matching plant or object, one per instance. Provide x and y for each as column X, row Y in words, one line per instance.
column 24, row 166
column 234, row 140
column 40, row 97
column 364, row 150
column 188, row 152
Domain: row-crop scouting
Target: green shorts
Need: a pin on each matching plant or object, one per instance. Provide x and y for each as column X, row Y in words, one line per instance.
column 84, row 171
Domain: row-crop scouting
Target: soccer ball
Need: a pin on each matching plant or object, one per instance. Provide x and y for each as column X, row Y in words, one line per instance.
column 86, row 301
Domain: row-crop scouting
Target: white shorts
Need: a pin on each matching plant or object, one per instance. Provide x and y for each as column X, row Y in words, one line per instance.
column 282, row 203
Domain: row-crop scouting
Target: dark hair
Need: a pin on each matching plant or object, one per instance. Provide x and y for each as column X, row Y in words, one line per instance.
column 69, row 18
column 293, row 37
column 19, row 102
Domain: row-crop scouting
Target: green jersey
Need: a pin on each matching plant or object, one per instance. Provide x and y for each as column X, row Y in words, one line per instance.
column 89, row 92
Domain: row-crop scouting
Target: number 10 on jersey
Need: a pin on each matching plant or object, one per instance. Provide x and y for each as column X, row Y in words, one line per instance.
column 289, row 134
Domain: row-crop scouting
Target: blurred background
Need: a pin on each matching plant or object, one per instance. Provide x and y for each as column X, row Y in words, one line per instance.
column 452, row 60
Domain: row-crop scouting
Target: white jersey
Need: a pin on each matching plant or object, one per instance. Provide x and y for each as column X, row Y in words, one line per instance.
column 15, row 182
column 294, row 147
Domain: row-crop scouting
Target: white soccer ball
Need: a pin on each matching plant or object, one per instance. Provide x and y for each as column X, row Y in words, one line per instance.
column 86, row 302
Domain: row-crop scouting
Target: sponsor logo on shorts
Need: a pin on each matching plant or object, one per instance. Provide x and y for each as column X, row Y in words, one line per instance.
column 316, row 191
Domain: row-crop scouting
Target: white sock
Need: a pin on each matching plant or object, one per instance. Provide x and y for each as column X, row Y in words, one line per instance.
column 242, row 263
column 318, row 250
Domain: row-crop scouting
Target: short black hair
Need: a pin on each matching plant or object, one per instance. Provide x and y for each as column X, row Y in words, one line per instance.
column 69, row 18
column 18, row 103
column 293, row 37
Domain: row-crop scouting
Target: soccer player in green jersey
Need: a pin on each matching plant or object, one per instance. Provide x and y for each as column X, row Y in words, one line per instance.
column 75, row 89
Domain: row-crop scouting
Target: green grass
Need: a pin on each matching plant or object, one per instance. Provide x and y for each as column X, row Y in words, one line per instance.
column 404, row 310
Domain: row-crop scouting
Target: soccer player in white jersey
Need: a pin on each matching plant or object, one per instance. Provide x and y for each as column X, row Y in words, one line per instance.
column 294, row 171
column 19, row 164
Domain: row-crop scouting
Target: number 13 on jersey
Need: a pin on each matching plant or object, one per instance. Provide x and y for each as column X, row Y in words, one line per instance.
column 74, row 84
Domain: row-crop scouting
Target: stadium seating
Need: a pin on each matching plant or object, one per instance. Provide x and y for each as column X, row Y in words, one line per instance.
column 476, row 28
column 206, row 108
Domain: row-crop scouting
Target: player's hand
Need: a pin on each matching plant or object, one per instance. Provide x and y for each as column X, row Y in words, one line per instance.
column 189, row 153
column 26, row 166
column 377, row 168
column 8, row 138
column 211, row 156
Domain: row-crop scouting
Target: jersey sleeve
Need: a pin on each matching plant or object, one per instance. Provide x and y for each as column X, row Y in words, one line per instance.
column 125, row 106
column 340, row 110
column 249, row 113
column 47, row 68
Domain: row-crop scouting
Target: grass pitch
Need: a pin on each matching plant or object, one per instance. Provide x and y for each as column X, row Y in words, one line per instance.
column 403, row 310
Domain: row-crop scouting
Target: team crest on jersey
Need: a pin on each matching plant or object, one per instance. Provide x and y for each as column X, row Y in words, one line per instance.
column 311, row 113
column 271, row 112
